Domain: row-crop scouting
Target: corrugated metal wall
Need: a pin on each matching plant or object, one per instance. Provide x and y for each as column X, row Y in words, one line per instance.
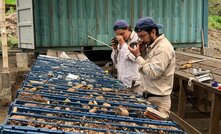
column 67, row 23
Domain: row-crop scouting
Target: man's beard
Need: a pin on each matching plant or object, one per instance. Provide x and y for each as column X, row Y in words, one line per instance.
column 151, row 41
column 144, row 47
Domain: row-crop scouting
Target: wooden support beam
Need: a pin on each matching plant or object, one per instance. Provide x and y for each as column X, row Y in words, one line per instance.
column 200, row 93
column 5, row 74
column 182, row 100
column 210, row 92
column 4, row 37
column 203, row 47
column 183, row 124
column 215, row 116
column 81, row 56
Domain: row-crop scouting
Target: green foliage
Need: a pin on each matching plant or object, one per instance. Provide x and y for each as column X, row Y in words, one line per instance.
column 10, row 11
column 215, row 7
column 10, row 2
column 12, row 42
column 214, row 14
column 215, row 22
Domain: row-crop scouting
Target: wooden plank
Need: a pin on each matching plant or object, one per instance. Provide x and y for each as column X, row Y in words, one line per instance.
column 215, row 75
column 200, row 93
column 204, row 100
column 210, row 96
column 185, row 76
column 51, row 52
column 4, row 37
column 59, row 53
column 215, row 70
column 211, row 63
column 186, row 59
column 183, row 124
column 217, row 78
column 215, row 116
column 200, row 64
column 205, row 65
column 12, row 51
column 72, row 55
column 197, row 56
column 182, row 100
column 81, row 56
column 202, row 39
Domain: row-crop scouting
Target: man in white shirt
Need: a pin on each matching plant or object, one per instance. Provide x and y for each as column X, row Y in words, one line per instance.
column 156, row 64
column 124, row 60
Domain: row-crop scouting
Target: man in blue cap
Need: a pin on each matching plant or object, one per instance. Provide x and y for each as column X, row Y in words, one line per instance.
column 156, row 59
column 125, row 62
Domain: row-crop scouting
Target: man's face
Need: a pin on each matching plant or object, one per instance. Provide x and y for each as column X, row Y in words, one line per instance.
column 145, row 37
column 123, row 33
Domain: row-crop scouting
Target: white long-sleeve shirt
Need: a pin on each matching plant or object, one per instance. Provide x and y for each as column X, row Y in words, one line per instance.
column 125, row 62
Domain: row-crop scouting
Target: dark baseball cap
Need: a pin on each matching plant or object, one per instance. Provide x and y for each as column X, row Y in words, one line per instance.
column 120, row 24
column 146, row 23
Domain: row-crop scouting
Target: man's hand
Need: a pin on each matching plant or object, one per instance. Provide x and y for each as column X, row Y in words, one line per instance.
column 135, row 51
column 120, row 39
column 114, row 45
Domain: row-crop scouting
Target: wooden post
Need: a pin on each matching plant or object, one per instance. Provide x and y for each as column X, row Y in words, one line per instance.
column 215, row 117
column 203, row 47
column 182, row 100
column 4, row 38
column 5, row 74
column 183, row 124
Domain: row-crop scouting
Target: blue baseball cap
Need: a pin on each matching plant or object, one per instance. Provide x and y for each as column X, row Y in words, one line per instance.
column 120, row 24
column 145, row 23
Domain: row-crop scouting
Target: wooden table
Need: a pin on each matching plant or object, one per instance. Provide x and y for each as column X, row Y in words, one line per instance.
column 184, row 75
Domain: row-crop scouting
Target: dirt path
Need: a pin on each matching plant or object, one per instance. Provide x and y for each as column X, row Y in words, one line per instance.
column 214, row 37
column 3, row 113
column 12, row 66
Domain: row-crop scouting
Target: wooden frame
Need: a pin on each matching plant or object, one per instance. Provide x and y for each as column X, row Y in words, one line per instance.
column 216, row 102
